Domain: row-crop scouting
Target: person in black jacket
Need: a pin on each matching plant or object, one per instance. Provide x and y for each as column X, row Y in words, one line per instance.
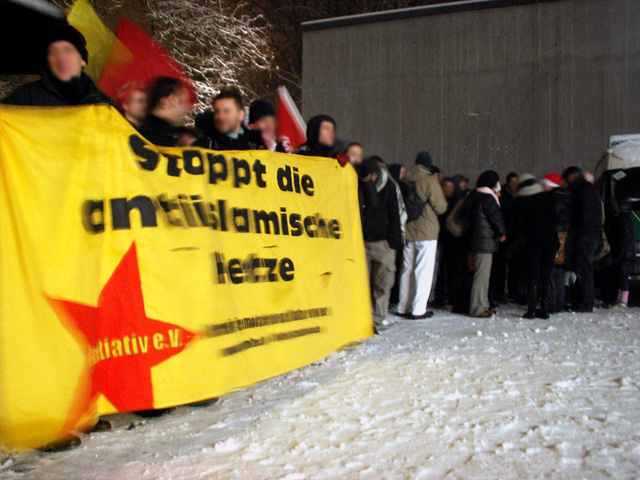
column 223, row 126
column 446, row 267
column 585, row 231
column 486, row 231
column 382, row 234
column 561, row 199
column 62, row 82
column 621, row 234
column 533, row 214
column 262, row 117
column 321, row 137
column 506, row 261
column 168, row 108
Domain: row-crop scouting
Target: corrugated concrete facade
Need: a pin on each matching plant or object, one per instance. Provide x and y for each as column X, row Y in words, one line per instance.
column 528, row 88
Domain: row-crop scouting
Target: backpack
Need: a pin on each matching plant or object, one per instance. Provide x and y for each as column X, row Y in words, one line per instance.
column 412, row 202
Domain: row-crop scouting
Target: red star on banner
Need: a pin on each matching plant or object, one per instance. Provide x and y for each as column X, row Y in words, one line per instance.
column 120, row 342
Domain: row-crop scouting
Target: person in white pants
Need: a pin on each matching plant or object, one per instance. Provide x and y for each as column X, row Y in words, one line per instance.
column 417, row 277
column 422, row 241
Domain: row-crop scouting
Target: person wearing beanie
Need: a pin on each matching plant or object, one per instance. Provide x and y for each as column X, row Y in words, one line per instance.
column 585, row 234
column 262, row 117
column 486, row 231
column 422, row 241
column 381, row 231
column 533, row 214
column 62, row 81
column 321, row 138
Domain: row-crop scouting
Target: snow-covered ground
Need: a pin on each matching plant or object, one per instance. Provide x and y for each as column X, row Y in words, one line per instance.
column 450, row 397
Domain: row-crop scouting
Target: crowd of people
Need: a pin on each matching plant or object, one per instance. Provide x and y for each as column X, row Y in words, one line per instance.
column 428, row 238
column 535, row 242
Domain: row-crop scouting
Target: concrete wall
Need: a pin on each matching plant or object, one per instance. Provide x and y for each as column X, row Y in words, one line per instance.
column 527, row 88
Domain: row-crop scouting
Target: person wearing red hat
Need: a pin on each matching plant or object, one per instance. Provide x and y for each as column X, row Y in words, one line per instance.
column 551, row 181
column 62, row 83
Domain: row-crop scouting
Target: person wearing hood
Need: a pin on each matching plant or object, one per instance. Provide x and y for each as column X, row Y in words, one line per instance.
column 486, row 231
column 534, row 221
column 585, row 233
column 382, row 235
column 385, row 176
column 422, row 241
column 262, row 117
column 321, row 137
column 224, row 125
column 62, row 80
column 355, row 152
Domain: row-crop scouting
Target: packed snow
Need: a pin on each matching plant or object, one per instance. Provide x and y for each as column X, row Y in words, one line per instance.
column 445, row 398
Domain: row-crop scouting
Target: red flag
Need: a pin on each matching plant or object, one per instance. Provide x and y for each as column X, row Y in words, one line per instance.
column 141, row 59
column 291, row 126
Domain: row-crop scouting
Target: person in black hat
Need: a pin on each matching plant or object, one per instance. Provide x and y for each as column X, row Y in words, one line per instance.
column 422, row 230
column 62, row 83
column 262, row 117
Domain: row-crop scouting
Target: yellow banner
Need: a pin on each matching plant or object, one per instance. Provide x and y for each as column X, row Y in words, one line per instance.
column 136, row 277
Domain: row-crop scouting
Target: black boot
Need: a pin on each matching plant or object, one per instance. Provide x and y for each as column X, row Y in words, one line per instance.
column 543, row 313
column 532, row 302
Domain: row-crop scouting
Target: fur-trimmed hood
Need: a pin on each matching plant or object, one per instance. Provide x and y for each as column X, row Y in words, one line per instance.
column 528, row 186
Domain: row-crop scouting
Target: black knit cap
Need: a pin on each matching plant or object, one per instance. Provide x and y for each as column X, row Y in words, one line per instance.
column 63, row 31
column 259, row 109
column 424, row 159
column 488, row 179
column 571, row 171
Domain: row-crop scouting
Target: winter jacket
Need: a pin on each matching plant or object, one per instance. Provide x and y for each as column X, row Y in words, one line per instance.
column 534, row 219
column 621, row 234
column 507, row 203
column 214, row 140
column 486, row 223
column 312, row 147
column 561, row 198
column 160, row 132
column 426, row 227
column 586, row 210
column 279, row 147
column 380, row 215
column 385, row 176
column 51, row 92
column 446, row 238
